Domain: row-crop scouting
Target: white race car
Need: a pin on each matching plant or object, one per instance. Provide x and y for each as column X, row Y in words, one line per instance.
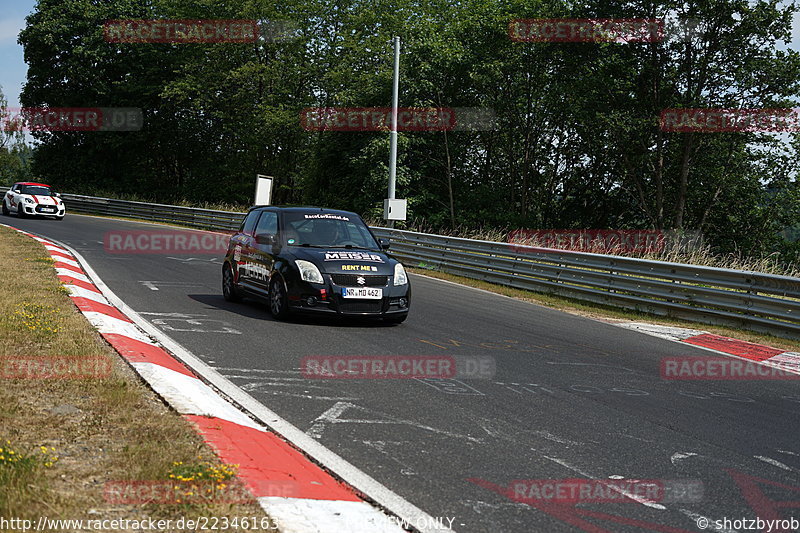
column 33, row 199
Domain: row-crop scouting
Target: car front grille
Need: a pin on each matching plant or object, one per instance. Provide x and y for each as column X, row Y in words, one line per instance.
column 351, row 280
column 361, row 307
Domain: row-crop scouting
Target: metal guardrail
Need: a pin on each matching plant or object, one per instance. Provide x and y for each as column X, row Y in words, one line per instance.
column 191, row 217
column 750, row 300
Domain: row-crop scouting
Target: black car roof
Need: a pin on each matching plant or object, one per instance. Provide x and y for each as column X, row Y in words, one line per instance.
column 303, row 209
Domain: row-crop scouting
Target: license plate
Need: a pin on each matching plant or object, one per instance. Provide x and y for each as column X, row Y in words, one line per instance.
column 47, row 209
column 363, row 293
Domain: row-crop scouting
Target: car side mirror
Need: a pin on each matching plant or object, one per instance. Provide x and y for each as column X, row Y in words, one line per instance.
column 265, row 238
column 384, row 244
column 57, row 195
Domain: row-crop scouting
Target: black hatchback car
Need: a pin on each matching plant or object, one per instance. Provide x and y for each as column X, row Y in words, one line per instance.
column 314, row 260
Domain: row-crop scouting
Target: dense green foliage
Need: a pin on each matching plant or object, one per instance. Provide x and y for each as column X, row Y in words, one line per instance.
column 578, row 142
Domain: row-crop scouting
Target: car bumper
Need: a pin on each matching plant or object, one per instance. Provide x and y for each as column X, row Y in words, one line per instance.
column 36, row 210
column 308, row 298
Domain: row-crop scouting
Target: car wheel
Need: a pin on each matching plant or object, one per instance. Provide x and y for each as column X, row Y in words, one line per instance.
column 60, row 218
column 20, row 211
column 278, row 303
column 229, row 290
column 396, row 319
column 6, row 212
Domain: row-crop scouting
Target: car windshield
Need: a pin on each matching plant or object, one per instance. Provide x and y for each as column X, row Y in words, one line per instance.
column 327, row 230
column 37, row 190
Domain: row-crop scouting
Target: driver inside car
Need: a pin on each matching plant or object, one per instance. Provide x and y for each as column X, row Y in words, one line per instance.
column 327, row 232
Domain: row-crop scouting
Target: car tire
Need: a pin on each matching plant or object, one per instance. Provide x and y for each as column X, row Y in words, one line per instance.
column 60, row 218
column 395, row 319
column 278, row 302
column 20, row 211
column 229, row 290
column 6, row 212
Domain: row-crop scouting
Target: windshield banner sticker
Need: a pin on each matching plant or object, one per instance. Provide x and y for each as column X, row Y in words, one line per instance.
column 327, row 215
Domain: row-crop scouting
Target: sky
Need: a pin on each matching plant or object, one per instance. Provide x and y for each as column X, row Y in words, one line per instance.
column 13, row 68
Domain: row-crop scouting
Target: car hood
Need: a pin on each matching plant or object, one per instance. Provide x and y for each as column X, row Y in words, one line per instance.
column 351, row 260
column 39, row 199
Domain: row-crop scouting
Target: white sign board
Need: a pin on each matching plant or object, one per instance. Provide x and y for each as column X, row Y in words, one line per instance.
column 394, row 209
column 263, row 190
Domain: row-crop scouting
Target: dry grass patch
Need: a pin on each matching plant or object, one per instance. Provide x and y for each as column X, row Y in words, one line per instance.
column 72, row 436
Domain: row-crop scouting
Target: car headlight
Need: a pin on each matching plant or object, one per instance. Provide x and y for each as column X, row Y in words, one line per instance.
column 309, row 271
column 400, row 277
column 28, row 201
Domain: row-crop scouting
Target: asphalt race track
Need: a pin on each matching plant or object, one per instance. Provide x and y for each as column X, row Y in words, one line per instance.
column 571, row 398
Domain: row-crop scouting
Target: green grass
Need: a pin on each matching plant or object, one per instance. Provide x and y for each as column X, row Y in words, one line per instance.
column 102, row 427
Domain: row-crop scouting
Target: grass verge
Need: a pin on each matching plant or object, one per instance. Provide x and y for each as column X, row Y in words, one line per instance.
column 62, row 440
column 607, row 313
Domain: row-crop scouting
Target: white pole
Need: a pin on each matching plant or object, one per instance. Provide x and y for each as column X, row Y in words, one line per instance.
column 393, row 131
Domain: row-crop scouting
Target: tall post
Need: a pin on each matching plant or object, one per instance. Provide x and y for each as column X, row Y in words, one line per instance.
column 393, row 130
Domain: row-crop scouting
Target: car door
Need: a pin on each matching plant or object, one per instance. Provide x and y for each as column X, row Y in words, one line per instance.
column 265, row 250
column 13, row 196
column 242, row 245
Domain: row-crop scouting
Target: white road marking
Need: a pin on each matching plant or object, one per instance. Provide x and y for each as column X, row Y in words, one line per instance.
column 252, row 370
column 381, row 445
column 789, row 360
column 300, row 515
column 190, row 259
column 677, row 456
column 634, row 497
column 665, row 332
column 479, row 506
column 332, row 416
column 149, row 285
column 789, row 453
column 450, row 386
column 773, row 462
column 555, row 438
column 195, row 325
column 615, row 368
